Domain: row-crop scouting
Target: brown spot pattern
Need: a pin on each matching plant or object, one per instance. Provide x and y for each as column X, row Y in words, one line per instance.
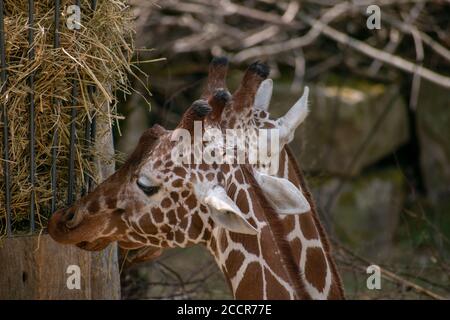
column 316, row 268
column 275, row 291
column 308, row 227
column 234, row 262
column 251, row 286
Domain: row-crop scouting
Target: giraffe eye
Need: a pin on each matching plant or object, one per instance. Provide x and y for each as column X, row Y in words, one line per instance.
column 147, row 189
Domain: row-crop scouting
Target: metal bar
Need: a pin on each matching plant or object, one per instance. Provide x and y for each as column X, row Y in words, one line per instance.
column 73, row 115
column 93, row 129
column 87, row 140
column 55, row 103
column 32, row 116
column 57, row 15
column 6, row 172
column 93, row 133
column 90, row 127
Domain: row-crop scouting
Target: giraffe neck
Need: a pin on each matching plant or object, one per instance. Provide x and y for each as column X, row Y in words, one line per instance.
column 306, row 236
column 250, row 272
column 309, row 241
column 256, row 266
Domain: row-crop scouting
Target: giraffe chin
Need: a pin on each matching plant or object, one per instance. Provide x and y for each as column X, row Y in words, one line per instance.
column 96, row 245
column 137, row 255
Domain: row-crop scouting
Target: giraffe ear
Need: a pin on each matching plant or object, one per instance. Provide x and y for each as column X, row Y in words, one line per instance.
column 282, row 194
column 226, row 213
column 293, row 118
column 263, row 95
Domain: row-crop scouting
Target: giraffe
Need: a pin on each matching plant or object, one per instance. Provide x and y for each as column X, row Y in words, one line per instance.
column 308, row 232
column 237, row 211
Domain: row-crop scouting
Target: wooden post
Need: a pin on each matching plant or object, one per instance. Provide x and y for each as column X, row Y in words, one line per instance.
column 36, row 267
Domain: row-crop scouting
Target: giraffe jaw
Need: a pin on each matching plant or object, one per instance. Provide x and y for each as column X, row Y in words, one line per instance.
column 96, row 245
column 142, row 254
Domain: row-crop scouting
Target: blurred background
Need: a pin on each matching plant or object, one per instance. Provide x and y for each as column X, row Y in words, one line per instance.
column 375, row 148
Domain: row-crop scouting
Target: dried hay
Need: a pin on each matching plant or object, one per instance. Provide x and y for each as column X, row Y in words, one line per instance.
column 97, row 55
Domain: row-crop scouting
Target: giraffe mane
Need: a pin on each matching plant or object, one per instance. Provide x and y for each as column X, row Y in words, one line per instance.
column 278, row 235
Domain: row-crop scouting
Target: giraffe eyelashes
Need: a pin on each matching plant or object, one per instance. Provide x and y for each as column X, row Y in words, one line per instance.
column 148, row 190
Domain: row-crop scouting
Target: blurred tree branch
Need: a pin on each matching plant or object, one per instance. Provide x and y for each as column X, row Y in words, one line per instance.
column 289, row 33
column 199, row 25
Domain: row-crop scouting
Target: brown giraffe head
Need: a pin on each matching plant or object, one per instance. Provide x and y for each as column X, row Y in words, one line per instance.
column 150, row 200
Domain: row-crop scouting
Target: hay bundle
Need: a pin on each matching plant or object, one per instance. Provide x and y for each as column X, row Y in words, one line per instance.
column 98, row 55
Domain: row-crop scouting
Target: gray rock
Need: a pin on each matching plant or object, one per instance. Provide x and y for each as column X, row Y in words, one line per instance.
column 433, row 127
column 365, row 213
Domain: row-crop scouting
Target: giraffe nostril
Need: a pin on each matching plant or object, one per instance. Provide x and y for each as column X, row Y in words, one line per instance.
column 71, row 219
column 69, row 216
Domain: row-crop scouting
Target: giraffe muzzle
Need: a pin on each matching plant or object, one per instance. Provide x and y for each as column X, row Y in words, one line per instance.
column 69, row 227
column 57, row 227
column 72, row 218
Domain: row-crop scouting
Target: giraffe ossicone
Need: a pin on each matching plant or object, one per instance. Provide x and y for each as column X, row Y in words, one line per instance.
column 258, row 222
